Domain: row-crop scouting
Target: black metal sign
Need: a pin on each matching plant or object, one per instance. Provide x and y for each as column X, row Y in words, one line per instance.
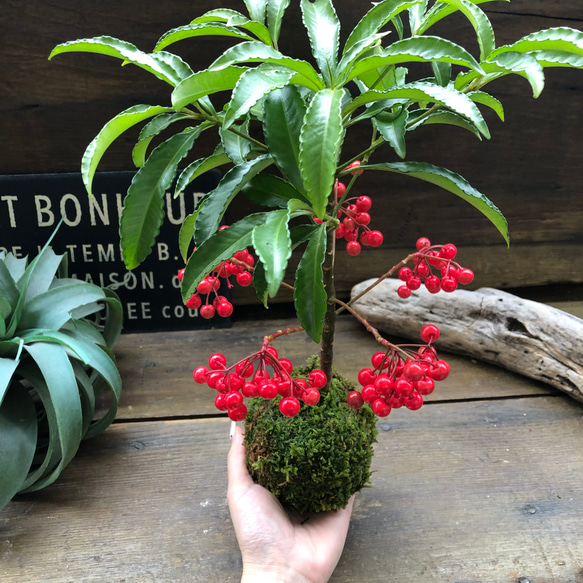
column 32, row 205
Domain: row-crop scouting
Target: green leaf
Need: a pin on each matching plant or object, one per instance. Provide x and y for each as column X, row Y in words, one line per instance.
column 302, row 233
column 8, row 367
column 143, row 206
column 561, row 38
column 275, row 11
column 323, row 26
column 320, row 144
column 379, row 15
column 218, row 247
column 416, row 14
column 309, row 293
column 167, row 67
column 441, row 117
column 477, row 18
column 271, row 191
column 217, row 201
column 418, row 49
column 256, row 52
column 8, row 289
column 428, row 92
column 451, row 182
column 110, row 131
column 186, row 234
column 256, row 9
column 283, row 115
column 271, row 240
column 236, row 146
column 150, row 131
column 252, row 86
column 392, row 129
column 557, row 59
column 196, row 30
column 199, row 167
column 18, row 437
column 260, row 284
column 488, row 100
column 205, row 83
column 234, row 18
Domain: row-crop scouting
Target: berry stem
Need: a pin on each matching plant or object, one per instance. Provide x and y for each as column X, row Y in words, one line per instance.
column 278, row 333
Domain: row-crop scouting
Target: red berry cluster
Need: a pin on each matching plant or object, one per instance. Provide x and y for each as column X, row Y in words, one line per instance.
column 208, row 288
column 400, row 376
column 250, row 377
column 429, row 260
column 354, row 227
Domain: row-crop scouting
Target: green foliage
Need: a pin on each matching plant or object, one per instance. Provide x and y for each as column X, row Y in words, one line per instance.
column 315, row 461
column 56, row 359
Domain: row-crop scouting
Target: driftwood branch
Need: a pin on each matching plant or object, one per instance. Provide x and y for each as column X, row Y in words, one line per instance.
column 530, row 338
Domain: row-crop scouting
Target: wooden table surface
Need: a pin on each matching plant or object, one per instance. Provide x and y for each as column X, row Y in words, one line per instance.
column 483, row 484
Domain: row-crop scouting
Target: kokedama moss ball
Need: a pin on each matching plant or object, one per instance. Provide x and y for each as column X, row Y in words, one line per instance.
column 315, row 461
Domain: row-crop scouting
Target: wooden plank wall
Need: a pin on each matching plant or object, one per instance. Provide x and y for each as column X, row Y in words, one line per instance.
column 531, row 168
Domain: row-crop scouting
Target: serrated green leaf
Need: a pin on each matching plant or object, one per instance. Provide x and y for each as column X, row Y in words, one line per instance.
column 150, row 131
column 309, row 293
column 379, row 15
column 256, row 52
column 256, row 9
column 205, row 83
column 302, row 233
column 252, row 86
column 476, row 16
column 451, row 182
column 199, row 167
column 8, row 289
column 425, row 49
column 271, row 240
column 110, row 132
column 8, row 367
column 217, row 201
column 236, row 144
column 167, row 67
column 441, row 117
column 557, row 59
column 275, row 12
column 323, row 26
column 283, row 115
column 320, row 144
column 393, row 128
column 416, row 14
column 186, row 234
column 560, row 38
column 218, row 247
column 16, row 266
column 260, row 284
column 234, row 18
column 143, row 206
column 18, row 428
column 488, row 100
column 421, row 91
column 199, row 29
column 271, row 191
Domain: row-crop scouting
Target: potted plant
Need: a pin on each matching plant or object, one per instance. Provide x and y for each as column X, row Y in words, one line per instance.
column 281, row 137
column 56, row 360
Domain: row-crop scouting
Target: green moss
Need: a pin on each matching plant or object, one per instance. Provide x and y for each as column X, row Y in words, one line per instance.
column 315, row 461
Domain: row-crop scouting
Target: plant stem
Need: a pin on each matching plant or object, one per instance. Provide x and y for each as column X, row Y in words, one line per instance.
column 327, row 341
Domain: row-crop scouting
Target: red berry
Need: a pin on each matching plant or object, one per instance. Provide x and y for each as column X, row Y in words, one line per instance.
column 404, row 292
column 439, row 370
column 380, row 408
column 193, row 302
column 363, row 203
column 375, row 238
column 289, row 406
column 413, row 372
column 268, row 390
column 364, row 238
column 369, row 394
column 354, row 164
column 366, row 377
column 207, row 311
column 362, row 218
column 318, row 379
column 429, row 333
column 235, row 381
column 181, row 274
column 311, row 397
column 413, row 283
column 403, row 388
column 217, row 361
column 422, row 269
column 422, row 243
column 238, row 414
column 225, row 309
column 200, row 375
column 378, row 359
column 354, row 400
column 214, row 378
column 425, row 386
column 244, row 279
column 405, row 273
column 448, row 284
column 465, row 276
column 272, row 351
column 349, row 224
column 433, row 284
column 353, row 248
column 250, row 390
column 351, row 235
column 234, row 400
column 448, row 251
column 244, row 369
column 339, row 232
column 339, row 189
column 205, row 286
column 383, row 384
column 395, row 402
column 414, row 402
column 286, row 365
column 221, row 402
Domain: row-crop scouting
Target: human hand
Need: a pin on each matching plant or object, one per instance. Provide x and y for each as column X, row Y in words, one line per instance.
column 274, row 545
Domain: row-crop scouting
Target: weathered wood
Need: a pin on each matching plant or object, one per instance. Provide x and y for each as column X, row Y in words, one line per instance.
column 480, row 491
column 531, row 338
column 157, row 368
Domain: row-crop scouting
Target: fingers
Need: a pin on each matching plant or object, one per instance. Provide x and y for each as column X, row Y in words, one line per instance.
column 236, row 468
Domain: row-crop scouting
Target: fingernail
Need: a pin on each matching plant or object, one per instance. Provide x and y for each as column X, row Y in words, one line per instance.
column 232, row 430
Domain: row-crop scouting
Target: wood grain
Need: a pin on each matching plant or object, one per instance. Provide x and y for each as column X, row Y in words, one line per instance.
column 483, row 491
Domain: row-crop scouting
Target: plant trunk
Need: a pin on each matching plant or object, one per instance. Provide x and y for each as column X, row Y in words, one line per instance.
column 327, row 341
